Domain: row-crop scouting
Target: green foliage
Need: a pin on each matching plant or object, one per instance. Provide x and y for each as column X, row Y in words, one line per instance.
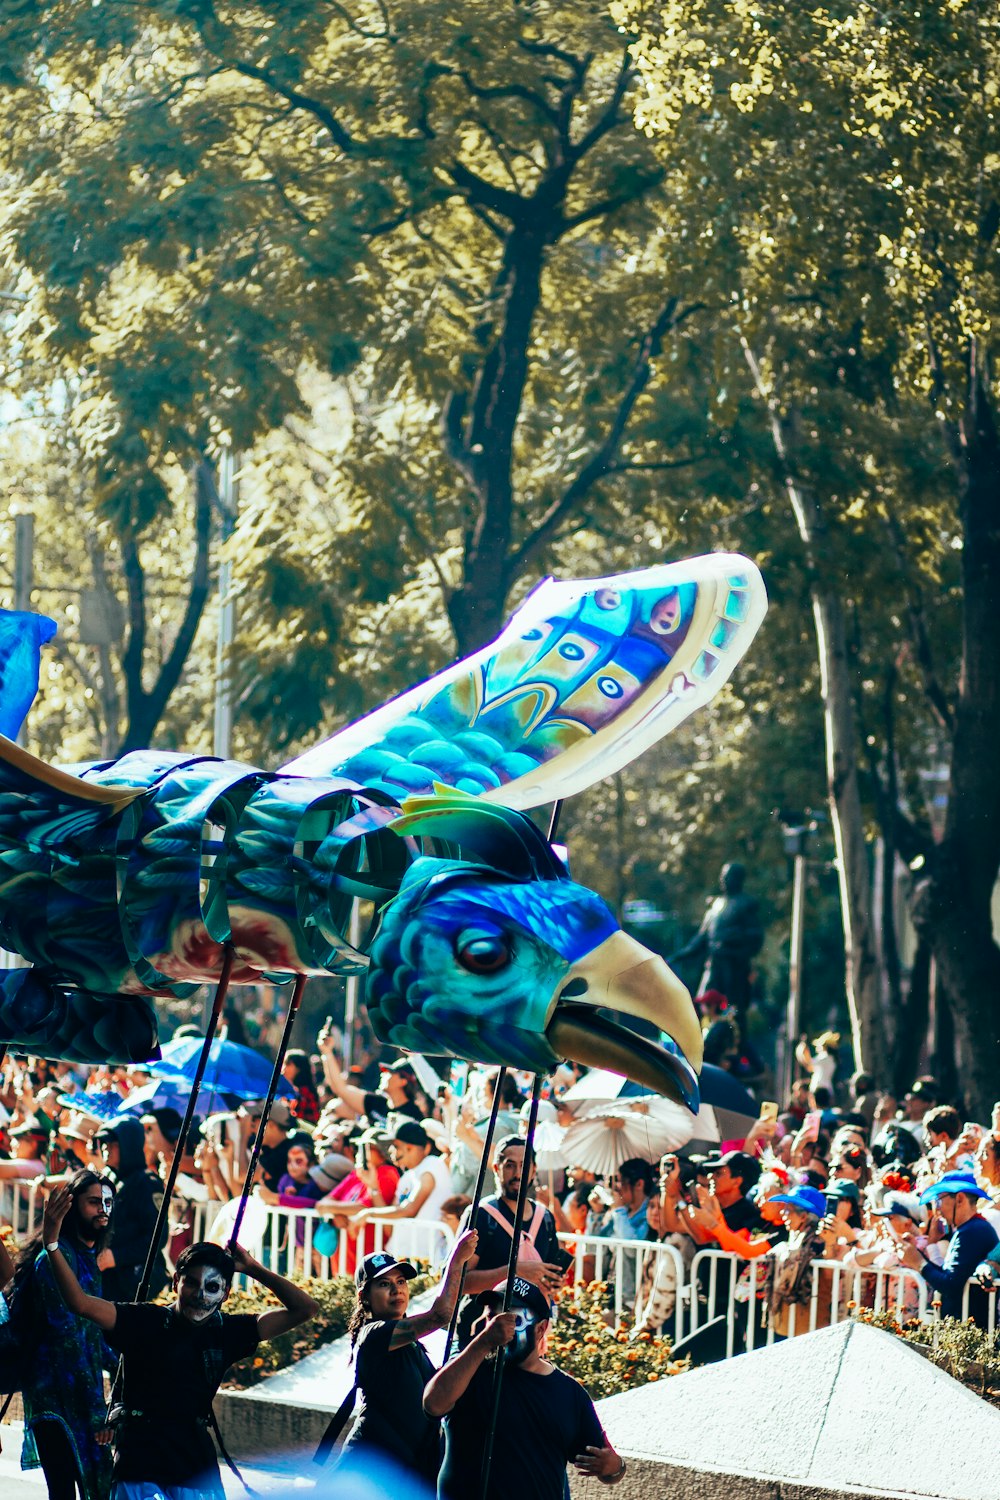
column 965, row 1351
column 604, row 1359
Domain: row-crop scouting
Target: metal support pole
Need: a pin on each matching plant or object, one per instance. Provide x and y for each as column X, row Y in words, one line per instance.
column 272, row 1089
column 228, row 505
column 508, row 1291
column 476, row 1199
column 24, row 569
column 793, row 1014
column 142, row 1291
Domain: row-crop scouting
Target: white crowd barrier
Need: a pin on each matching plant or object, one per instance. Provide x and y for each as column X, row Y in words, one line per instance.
column 21, row 1206
column 713, row 1285
column 716, row 1285
column 288, row 1242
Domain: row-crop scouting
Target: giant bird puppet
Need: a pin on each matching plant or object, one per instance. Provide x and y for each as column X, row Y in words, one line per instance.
column 123, row 881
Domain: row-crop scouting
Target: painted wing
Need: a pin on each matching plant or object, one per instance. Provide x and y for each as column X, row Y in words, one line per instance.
column 585, row 677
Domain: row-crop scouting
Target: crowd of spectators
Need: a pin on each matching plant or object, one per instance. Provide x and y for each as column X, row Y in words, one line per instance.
column 869, row 1185
column 860, row 1180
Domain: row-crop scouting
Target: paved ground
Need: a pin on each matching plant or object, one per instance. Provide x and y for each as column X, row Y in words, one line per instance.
column 17, row 1485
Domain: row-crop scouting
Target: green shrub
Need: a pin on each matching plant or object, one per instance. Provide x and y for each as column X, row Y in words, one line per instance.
column 606, row 1360
column 963, row 1350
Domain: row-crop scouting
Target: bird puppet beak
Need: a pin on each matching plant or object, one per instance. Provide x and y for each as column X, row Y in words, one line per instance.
column 620, row 974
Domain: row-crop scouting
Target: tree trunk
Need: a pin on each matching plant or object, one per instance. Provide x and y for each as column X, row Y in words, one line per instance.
column 955, row 900
column 861, row 970
column 911, row 1032
column 846, row 815
column 146, row 708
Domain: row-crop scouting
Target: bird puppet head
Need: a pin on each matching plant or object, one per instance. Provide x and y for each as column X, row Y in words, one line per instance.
column 499, row 957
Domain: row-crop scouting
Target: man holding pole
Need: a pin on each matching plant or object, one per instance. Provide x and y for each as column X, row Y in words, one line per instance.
column 540, row 1259
column 545, row 1419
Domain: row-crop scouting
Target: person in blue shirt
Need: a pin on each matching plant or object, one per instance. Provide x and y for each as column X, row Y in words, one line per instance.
column 631, row 1187
column 956, row 1197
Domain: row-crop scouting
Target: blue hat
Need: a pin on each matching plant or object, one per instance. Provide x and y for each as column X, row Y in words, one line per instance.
column 953, row 1182
column 809, row 1200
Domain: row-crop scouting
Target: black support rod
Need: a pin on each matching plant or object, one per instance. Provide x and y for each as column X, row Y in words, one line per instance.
column 508, row 1291
column 272, row 1089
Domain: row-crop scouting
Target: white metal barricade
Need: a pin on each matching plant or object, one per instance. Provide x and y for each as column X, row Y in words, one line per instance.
column 21, row 1202
column 612, row 1258
column 703, row 1291
column 900, row 1290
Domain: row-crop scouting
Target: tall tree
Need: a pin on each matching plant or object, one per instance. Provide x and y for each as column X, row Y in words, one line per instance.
column 454, row 210
column 855, row 154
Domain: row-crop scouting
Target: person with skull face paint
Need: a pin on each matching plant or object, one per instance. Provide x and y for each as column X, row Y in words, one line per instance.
column 174, row 1360
column 63, row 1389
column 545, row 1421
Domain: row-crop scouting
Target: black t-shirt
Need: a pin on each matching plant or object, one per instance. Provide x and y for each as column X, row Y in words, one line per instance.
column 172, row 1371
column 391, row 1416
column 543, row 1423
column 742, row 1215
column 493, row 1250
column 378, row 1107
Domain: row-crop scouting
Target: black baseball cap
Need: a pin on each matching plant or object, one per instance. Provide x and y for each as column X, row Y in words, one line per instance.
column 374, row 1266
column 523, row 1294
column 740, row 1163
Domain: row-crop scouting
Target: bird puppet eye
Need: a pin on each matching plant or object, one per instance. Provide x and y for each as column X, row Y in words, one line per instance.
column 482, row 952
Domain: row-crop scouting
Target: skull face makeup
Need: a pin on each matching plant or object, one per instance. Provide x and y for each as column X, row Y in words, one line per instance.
column 107, row 1201
column 201, row 1291
column 525, row 1332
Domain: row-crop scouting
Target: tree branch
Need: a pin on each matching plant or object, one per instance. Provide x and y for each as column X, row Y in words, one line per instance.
column 611, row 205
column 916, row 616
column 599, row 463
column 145, row 709
column 610, row 116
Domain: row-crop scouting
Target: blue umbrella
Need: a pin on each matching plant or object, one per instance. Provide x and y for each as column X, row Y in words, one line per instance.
column 102, row 1106
column 170, row 1093
column 232, row 1068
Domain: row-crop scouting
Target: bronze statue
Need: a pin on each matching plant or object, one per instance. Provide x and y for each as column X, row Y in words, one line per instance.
column 730, row 936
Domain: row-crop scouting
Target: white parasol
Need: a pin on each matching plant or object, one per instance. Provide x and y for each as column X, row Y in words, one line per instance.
column 613, row 1133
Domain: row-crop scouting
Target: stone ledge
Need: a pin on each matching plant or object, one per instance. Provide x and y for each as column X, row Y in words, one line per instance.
column 253, row 1426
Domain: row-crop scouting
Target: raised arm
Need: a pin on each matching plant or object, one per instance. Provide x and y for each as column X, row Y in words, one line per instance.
column 438, row 1315
column 350, row 1093
column 298, row 1306
column 408, row 1210
column 99, row 1311
column 452, row 1381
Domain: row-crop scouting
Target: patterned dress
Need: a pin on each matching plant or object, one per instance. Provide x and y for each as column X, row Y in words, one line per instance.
column 65, row 1383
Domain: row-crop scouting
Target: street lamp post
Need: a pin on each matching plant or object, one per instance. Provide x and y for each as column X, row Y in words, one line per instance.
column 228, row 502
column 796, row 829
